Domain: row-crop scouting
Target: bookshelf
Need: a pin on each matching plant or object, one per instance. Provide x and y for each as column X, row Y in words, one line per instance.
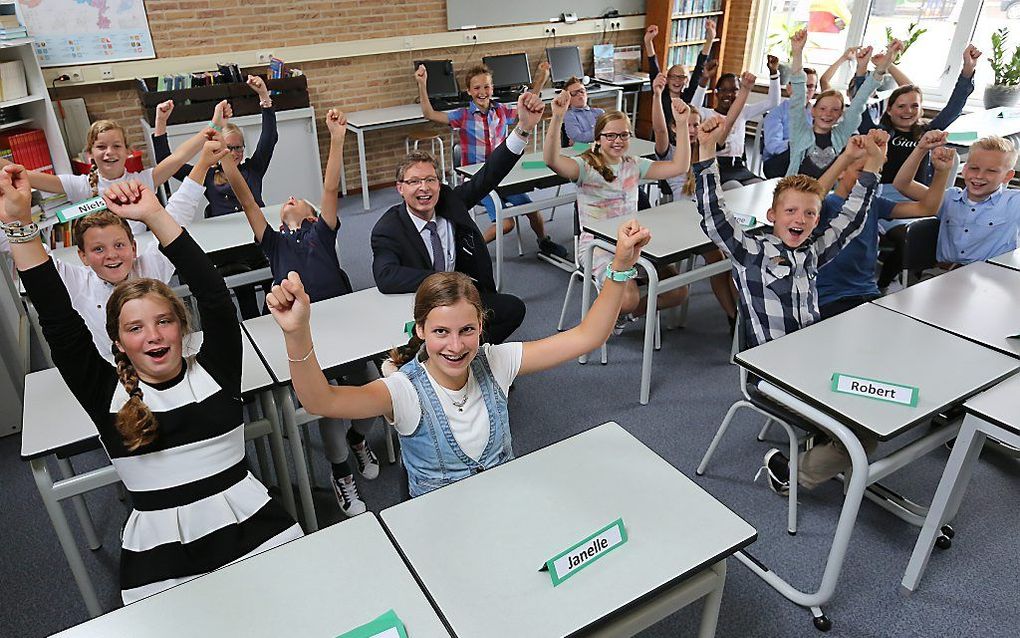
column 681, row 36
column 36, row 108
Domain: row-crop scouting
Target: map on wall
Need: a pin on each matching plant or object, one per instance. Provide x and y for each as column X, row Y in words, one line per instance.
column 87, row 31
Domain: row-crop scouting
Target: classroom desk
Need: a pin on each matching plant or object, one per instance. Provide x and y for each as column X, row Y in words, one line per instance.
column 979, row 302
column 871, row 342
column 358, row 122
column 994, row 413
column 345, row 329
column 324, row 584
column 1002, row 121
column 54, row 422
column 523, row 180
column 676, row 235
column 1009, row 260
column 477, row 545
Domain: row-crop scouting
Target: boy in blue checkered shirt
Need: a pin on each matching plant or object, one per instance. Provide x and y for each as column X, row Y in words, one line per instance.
column 775, row 272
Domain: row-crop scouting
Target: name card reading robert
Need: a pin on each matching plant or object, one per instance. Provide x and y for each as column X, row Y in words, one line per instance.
column 577, row 557
column 87, row 207
column 875, row 389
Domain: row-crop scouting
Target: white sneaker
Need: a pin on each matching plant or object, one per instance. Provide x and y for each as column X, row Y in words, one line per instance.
column 368, row 465
column 347, row 496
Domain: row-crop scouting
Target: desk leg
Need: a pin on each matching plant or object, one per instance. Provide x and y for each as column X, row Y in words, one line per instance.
column 710, row 611
column 276, row 449
column 44, row 483
column 619, row 99
column 947, row 497
column 651, row 307
column 363, row 165
column 498, row 205
column 84, row 518
column 586, row 286
column 298, row 455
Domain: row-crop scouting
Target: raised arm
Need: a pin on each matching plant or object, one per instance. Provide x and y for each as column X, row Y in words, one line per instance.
column 188, row 200
column 541, row 77
column 651, row 33
column 943, row 159
column 252, row 211
column 772, row 100
column 716, row 219
column 660, row 131
column 160, row 143
column 850, row 155
column 558, row 163
column 681, row 161
column 797, row 42
column 597, row 325
column 854, row 113
column 904, row 181
column 825, row 81
column 336, row 122
column 850, row 220
column 421, row 76
column 268, row 136
column 291, row 307
column 738, row 107
column 41, row 181
column 168, row 167
column 961, row 91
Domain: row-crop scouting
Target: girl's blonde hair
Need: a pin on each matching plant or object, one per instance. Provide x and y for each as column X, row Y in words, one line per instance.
column 437, row 290
column 219, row 178
column 135, row 421
column 593, row 156
column 98, row 127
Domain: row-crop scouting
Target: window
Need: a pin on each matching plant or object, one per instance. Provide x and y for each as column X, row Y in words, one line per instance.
column 933, row 61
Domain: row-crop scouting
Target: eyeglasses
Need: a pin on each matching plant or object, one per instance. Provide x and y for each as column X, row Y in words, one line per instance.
column 577, row 92
column 415, row 183
column 673, row 76
column 612, row 137
column 235, row 149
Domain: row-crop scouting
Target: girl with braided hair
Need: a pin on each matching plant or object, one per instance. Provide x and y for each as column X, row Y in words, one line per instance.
column 172, row 425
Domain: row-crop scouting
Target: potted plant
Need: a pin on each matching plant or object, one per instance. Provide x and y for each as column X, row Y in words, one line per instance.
column 778, row 44
column 1006, row 89
column 913, row 33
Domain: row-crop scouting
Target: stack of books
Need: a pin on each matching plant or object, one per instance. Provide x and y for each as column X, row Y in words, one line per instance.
column 28, row 147
column 10, row 28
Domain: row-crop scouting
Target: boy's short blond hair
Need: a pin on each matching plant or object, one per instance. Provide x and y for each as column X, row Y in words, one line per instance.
column 1000, row 144
column 478, row 69
column 799, row 183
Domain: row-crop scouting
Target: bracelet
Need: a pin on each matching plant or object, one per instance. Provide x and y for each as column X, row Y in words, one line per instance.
column 216, row 127
column 304, row 358
column 523, row 133
column 18, row 233
column 267, row 103
column 620, row 275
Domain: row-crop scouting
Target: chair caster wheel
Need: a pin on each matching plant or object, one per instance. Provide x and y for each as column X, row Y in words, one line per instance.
column 822, row 623
column 948, row 531
column 943, row 542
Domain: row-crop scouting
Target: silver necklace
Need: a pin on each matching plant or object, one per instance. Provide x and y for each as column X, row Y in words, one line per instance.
column 457, row 403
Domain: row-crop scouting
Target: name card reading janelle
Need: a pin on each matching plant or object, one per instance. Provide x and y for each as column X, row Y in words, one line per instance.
column 875, row 389
column 747, row 221
column 577, row 557
column 81, row 209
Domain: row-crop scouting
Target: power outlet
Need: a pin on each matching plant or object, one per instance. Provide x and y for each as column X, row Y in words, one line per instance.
column 76, row 74
column 106, row 72
column 615, row 25
column 264, row 57
column 550, row 31
column 471, row 37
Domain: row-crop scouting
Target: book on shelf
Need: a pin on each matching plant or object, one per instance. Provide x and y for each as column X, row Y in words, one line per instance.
column 29, row 148
column 12, row 80
column 697, row 6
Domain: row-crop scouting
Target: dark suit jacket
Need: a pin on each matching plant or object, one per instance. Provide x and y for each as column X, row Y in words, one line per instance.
column 400, row 261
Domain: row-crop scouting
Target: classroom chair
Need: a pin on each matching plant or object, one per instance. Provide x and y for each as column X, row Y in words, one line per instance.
column 919, row 246
column 416, row 137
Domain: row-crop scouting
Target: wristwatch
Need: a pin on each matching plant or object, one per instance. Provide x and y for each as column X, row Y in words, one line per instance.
column 620, row 275
column 522, row 132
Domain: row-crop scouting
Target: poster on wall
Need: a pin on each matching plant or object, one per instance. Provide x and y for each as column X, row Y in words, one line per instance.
column 70, row 32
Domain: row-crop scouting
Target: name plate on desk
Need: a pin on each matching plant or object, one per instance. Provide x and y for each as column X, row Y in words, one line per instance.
column 874, row 389
column 747, row 221
column 577, row 557
column 386, row 626
column 81, row 209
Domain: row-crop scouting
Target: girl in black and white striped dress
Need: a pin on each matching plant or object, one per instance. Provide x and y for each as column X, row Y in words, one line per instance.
column 172, row 426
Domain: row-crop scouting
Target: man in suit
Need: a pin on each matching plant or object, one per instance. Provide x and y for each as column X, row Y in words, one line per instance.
column 432, row 230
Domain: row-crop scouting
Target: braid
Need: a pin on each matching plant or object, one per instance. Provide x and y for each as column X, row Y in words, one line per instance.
column 135, row 421
column 402, row 354
column 94, row 178
column 594, row 158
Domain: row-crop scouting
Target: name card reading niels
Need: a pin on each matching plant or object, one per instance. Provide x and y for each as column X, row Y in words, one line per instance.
column 577, row 557
column 874, row 389
column 81, row 209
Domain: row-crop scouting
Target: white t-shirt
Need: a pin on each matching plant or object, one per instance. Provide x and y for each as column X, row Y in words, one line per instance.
column 734, row 146
column 77, row 189
column 471, row 427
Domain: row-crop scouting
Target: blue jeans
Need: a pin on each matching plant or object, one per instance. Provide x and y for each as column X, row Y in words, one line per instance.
column 515, row 200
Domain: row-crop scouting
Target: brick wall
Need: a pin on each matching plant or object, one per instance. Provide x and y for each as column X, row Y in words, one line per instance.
column 739, row 23
column 188, row 27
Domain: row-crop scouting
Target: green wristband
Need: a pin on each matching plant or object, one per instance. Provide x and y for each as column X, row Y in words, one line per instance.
column 216, row 127
column 620, row 275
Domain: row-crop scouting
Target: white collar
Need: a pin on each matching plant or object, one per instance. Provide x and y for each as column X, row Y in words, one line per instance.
column 419, row 223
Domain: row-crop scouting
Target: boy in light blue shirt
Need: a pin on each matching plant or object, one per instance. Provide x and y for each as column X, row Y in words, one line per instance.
column 982, row 220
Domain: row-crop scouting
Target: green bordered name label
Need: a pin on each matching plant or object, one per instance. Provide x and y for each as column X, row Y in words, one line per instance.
column 581, row 147
column 87, row 207
column 875, row 389
column 572, row 560
column 963, row 136
column 533, row 164
column 386, row 626
column 747, row 221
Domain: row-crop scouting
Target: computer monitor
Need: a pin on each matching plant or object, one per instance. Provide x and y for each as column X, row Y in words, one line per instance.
column 441, row 81
column 508, row 70
column 565, row 63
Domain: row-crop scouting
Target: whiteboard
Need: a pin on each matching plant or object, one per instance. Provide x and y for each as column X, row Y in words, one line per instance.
column 490, row 13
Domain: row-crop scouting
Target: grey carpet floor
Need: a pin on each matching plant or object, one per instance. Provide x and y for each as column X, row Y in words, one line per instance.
column 969, row 590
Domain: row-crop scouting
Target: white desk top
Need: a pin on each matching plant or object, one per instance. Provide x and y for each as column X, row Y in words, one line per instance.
column 324, row 584
column 987, row 122
column 477, row 545
column 54, row 419
column 873, row 342
column 999, row 404
column 344, row 329
column 1009, row 260
column 980, row 302
column 213, row 234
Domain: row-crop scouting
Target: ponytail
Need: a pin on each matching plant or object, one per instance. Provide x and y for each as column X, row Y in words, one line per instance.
column 135, row 421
